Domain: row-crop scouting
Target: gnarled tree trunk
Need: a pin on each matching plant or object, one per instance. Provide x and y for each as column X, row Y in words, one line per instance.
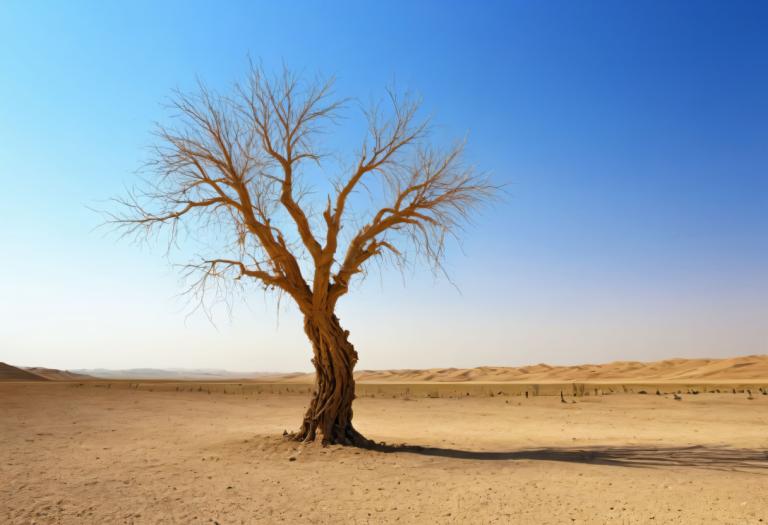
column 330, row 411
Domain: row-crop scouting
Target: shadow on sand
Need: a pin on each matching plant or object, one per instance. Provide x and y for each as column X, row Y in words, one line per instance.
column 718, row 458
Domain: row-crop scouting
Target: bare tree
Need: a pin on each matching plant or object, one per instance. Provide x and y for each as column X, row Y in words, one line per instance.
column 233, row 163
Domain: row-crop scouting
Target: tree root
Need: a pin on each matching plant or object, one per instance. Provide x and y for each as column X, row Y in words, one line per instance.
column 348, row 437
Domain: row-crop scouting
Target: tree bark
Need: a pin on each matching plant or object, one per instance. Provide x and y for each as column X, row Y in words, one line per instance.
column 329, row 416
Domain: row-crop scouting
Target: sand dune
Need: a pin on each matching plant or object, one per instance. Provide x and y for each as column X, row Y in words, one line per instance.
column 11, row 373
column 183, row 374
column 55, row 374
column 736, row 368
column 753, row 367
column 745, row 368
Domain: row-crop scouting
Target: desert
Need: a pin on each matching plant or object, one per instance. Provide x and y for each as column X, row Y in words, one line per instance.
column 491, row 262
column 153, row 451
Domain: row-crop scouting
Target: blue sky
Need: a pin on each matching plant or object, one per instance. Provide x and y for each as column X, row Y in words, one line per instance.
column 632, row 137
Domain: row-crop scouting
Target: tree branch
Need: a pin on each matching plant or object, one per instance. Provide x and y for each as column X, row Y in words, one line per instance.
column 233, row 164
column 430, row 200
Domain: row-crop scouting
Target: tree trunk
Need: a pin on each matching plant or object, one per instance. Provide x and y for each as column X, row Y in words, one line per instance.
column 329, row 415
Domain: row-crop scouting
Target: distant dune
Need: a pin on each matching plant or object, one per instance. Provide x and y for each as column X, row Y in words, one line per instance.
column 754, row 367
column 162, row 374
column 11, row 373
column 56, row 375
column 736, row 368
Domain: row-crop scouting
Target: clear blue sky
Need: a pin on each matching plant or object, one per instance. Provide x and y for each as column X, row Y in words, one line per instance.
column 633, row 137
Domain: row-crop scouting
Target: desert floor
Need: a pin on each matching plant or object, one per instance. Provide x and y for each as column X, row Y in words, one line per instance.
column 92, row 454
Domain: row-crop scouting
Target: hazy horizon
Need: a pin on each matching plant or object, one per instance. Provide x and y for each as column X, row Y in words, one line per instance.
column 214, row 371
column 632, row 140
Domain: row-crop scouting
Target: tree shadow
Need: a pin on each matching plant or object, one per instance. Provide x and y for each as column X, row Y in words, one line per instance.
column 709, row 457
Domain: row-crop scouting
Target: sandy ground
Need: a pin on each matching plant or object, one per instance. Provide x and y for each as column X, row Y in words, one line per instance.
column 91, row 454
